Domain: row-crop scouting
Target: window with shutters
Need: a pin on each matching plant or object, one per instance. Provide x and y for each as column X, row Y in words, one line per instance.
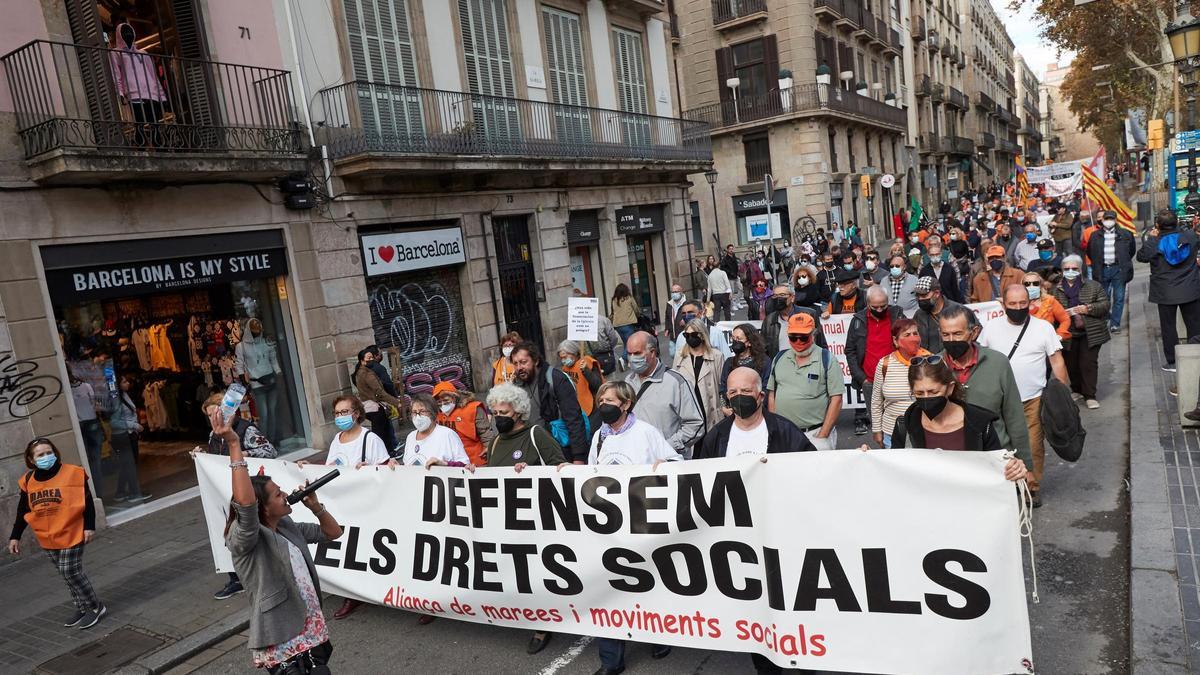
column 567, row 75
column 833, row 156
column 757, row 149
column 493, row 110
column 381, row 52
column 750, row 67
column 631, row 85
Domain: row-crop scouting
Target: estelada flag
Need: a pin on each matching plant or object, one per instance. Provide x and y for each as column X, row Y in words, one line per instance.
column 1103, row 196
column 1023, row 189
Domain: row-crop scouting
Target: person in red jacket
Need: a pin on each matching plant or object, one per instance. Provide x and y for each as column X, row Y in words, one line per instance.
column 57, row 502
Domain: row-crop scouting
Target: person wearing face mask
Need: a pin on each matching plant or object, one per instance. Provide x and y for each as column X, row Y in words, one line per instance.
column 503, row 369
column 849, row 298
column 1028, row 343
column 1174, row 280
column 624, row 439
column 890, row 395
column 806, row 384
column 376, row 400
column 701, row 366
column 759, row 298
column 930, row 304
column 663, row 398
column 1062, row 228
column 1085, row 227
column 716, row 336
column 751, row 429
column 1026, row 250
column 780, row 308
column 1111, row 251
column 1047, row 259
column 1087, row 305
column 990, row 282
column 944, row 273
column 584, row 372
column 1046, row 307
column 806, row 290
column 827, row 277
column 749, row 351
column 901, row 286
column 987, row 377
column 460, row 412
column 869, row 339
column 1003, row 235
column 719, row 292
column 63, row 526
column 430, row 444
column 674, row 304
column 729, row 263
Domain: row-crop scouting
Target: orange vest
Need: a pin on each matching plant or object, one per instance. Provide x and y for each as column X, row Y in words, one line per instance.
column 56, row 507
column 503, row 371
column 582, row 392
column 462, row 421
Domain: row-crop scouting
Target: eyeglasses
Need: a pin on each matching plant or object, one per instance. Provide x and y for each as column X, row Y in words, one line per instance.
column 932, row 359
column 343, row 412
column 1069, row 269
column 1032, row 284
column 799, row 337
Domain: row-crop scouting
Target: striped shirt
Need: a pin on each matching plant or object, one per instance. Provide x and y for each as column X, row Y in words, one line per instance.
column 891, row 395
column 1110, row 246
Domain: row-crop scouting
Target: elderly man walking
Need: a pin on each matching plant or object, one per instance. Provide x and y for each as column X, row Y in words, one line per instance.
column 663, row 398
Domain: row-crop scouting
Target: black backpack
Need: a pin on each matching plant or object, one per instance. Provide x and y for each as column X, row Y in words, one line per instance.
column 1061, row 425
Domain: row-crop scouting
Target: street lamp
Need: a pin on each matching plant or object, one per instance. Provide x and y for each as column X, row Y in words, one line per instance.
column 1184, row 33
column 711, row 177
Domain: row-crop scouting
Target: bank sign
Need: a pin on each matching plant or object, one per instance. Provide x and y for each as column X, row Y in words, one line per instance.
column 396, row 252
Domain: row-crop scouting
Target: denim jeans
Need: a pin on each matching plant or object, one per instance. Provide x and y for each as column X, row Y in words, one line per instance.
column 1114, row 287
column 612, row 653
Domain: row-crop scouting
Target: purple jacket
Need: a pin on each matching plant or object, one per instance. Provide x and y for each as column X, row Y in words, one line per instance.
column 134, row 71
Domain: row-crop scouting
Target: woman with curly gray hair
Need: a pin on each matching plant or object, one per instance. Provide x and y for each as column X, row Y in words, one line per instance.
column 519, row 445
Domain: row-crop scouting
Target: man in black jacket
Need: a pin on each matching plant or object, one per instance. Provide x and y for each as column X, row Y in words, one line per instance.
column 780, row 307
column 729, row 263
column 553, row 397
column 868, row 339
column 1111, row 250
column 942, row 270
column 1174, row 279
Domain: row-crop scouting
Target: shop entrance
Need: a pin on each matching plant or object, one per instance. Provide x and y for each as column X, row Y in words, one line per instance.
column 518, row 283
column 641, row 271
column 168, row 333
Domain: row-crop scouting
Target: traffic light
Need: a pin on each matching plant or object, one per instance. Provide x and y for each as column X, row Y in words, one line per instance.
column 864, row 184
column 1158, row 135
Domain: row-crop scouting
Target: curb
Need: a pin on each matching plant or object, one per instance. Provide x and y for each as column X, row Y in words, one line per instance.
column 177, row 652
column 1157, row 642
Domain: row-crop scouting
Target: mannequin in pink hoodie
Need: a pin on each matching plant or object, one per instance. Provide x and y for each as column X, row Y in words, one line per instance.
column 136, row 77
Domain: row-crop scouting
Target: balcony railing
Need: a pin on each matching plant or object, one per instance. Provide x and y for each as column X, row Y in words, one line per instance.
column 924, row 87
column 934, row 41
column 367, row 117
column 918, row 28
column 984, row 101
column 937, row 92
column 803, row 98
column 1007, row 147
column 76, row 97
column 957, row 99
column 929, row 143
column 959, row 145
column 987, row 140
column 728, row 10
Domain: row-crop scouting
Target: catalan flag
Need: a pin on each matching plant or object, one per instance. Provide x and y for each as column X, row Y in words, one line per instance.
column 1023, row 189
column 1102, row 196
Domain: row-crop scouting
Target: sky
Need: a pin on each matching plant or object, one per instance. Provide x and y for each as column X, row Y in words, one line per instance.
column 1023, row 28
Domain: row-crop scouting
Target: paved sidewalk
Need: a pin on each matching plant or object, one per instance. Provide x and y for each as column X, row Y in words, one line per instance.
column 155, row 574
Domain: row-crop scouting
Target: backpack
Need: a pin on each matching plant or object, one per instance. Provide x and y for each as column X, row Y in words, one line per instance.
column 1061, row 425
column 1172, row 250
column 558, row 428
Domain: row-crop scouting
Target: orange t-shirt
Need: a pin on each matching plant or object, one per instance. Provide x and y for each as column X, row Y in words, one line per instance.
column 56, row 507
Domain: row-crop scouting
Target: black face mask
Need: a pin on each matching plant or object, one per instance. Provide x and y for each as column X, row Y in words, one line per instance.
column 687, row 317
column 777, row 304
column 693, row 339
column 743, row 405
column 609, row 413
column 926, row 306
column 504, row 424
column 1017, row 316
column 956, row 348
column 932, row 406
column 879, row 313
column 737, row 346
column 851, row 293
column 996, row 265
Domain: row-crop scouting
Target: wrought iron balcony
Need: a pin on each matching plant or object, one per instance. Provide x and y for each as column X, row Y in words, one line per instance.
column 918, row 28
column 369, row 118
column 984, row 101
column 802, row 99
column 1007, row 147
column 91, row 113
column 924, row 87
column 959, row 145
column 728, row 10
column 987, row 140
column 937, row 92
column 929, row 143
column 957, row 99
column 934, row 42
column 834, row 8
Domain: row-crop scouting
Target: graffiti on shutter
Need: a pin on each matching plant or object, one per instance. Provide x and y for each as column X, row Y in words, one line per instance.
column 419, row 317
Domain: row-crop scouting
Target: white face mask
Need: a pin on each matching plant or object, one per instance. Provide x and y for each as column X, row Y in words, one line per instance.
column 446, row 408
column 507, row 352
column 1110, row 223
column 802, row 282
column 870, row 265
column 421, row 422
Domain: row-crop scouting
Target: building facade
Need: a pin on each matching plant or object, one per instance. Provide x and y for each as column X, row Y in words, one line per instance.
column 991, row 86
column 1076, row 143
column 809, row 91
column 1052, row 131
column 942, row 103
column 471, row 165
column 1029, row 109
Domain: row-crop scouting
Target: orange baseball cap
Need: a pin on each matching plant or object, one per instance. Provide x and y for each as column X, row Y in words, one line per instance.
column 801, row 322
column 443, row 388
column 996, row 250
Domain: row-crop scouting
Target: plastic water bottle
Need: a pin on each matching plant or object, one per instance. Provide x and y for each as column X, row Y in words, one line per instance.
column 233, row 398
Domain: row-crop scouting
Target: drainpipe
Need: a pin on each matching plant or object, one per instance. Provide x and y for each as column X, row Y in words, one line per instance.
column 303, row 103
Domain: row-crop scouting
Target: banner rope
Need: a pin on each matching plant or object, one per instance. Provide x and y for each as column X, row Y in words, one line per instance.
column 1025, row 523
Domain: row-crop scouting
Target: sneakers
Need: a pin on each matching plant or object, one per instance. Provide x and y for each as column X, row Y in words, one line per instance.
column 860, row 427
column 1115, row 330
column 93, row 617
column 231, row 589
column 1168, row 368
column 76, row 617
column 138, row 499
column 1093, row 404
column 1076, row 396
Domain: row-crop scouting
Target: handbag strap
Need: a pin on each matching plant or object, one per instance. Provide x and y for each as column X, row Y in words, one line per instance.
column 1016, row 344
column 533, row 439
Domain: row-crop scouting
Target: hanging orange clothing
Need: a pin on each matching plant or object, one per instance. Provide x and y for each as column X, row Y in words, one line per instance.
column 1048, row 308
column 582, row 391
column 56, row 506
column 503, row 371
column 462, row 421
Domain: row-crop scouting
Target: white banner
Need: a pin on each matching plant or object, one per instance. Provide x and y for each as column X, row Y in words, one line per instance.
column 583, row 318
column 1056, row 171
column 395, row 252
column 843, row 561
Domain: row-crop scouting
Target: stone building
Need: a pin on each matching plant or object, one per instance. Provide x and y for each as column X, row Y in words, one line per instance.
column 1076, row 143
column 1029, row 109
column 942, row 102
column 991, row 87
column 423, row 175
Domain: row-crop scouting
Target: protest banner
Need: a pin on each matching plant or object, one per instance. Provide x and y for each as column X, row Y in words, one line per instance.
column 845, row 561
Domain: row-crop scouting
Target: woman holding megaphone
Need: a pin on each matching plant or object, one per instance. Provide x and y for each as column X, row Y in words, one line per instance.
column 287, row 628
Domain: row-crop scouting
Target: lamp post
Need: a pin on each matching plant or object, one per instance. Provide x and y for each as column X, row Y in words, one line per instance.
column 711, row 177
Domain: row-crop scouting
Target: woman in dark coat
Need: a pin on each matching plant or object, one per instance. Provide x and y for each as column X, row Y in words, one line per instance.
column 1087, row 305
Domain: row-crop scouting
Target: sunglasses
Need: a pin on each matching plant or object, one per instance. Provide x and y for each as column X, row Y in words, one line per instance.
column 1031, row 284
column 799, row 337
column 932, row 359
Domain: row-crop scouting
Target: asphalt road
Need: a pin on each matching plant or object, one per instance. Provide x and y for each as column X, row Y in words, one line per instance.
column 1079, row 627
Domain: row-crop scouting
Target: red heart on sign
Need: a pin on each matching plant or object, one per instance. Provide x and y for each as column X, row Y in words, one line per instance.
column 386, row 253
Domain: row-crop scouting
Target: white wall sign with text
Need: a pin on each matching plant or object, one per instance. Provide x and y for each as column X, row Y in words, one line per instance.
column 395, row 252
column 583, row 319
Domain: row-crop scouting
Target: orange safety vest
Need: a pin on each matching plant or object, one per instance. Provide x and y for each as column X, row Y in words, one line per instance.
column 56, row 507
column 462, row 421
column 1084, row 239
column 582, row 391
column 503, row 371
